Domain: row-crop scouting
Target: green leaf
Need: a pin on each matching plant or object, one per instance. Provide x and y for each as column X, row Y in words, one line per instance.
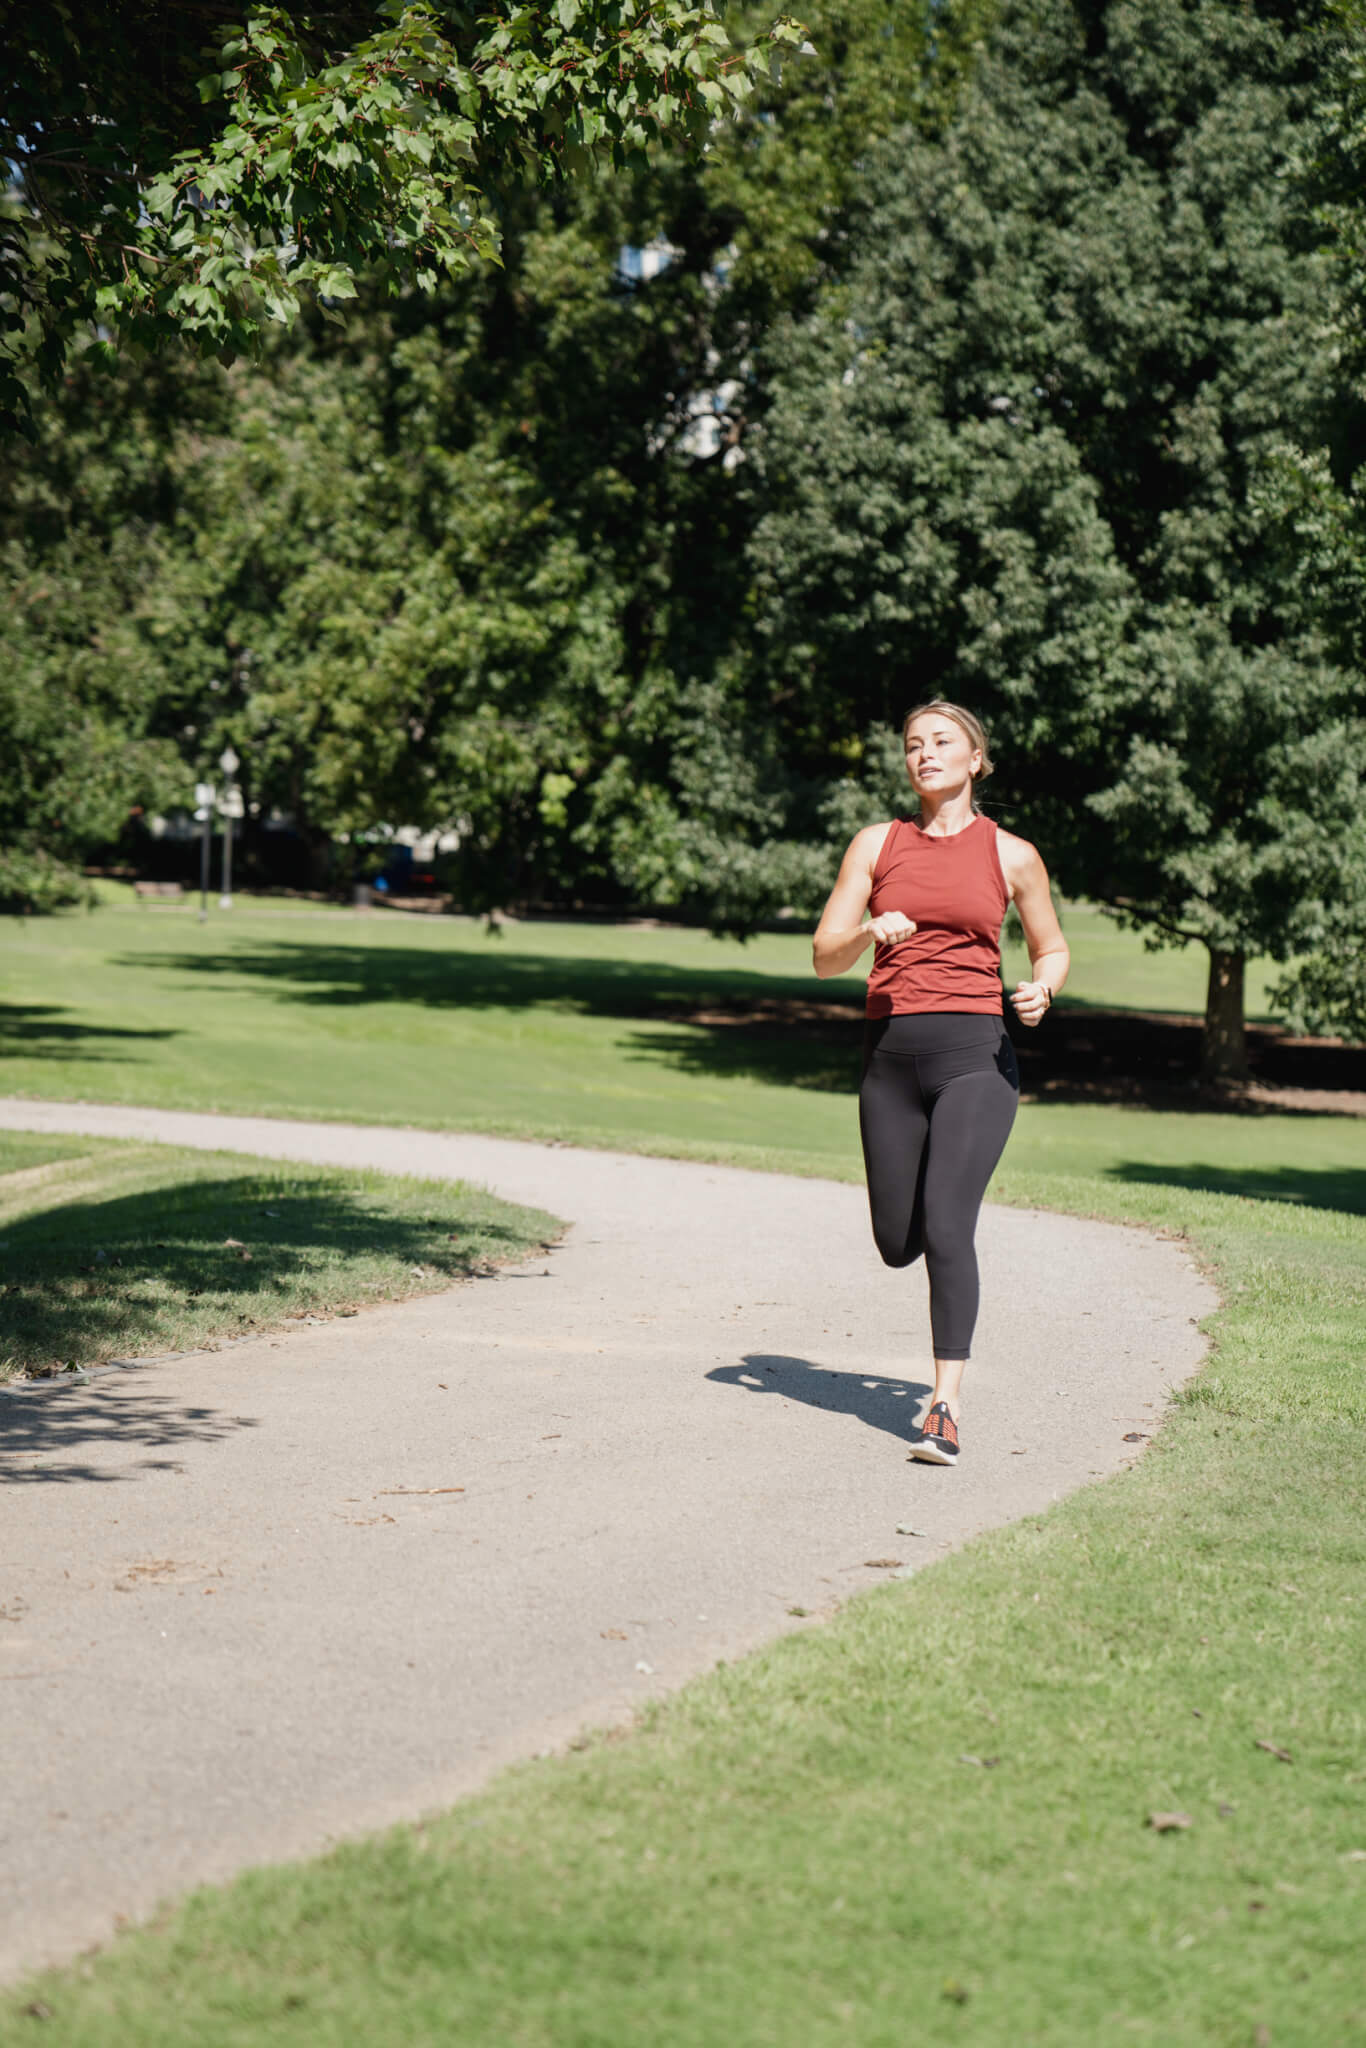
column 334, row 283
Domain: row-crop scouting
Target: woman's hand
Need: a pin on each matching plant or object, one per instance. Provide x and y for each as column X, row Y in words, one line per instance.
column 891, row 928
column 1031, row 1000
column 841, row 936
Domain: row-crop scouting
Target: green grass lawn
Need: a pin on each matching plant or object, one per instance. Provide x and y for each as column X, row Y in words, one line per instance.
column 553, row 1031
column 794, row 1850
column 120, row 1250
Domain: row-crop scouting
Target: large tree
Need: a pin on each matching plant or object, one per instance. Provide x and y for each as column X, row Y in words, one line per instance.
column 89, row 725
column 1029, row 458
column 1322, row 512
column 479, row 557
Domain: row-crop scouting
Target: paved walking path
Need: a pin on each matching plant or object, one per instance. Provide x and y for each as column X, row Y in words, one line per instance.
column 241, row 1615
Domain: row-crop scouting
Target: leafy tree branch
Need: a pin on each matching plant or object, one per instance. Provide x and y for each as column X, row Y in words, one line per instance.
column 163, row 202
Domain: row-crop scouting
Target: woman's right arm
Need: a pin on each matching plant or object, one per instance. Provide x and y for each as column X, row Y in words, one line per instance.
column 841, row 935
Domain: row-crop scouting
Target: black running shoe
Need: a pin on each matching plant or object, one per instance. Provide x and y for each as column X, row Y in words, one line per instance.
column 939, row 1437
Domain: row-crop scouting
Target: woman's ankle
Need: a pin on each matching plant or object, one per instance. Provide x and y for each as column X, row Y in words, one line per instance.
column 948, row 1386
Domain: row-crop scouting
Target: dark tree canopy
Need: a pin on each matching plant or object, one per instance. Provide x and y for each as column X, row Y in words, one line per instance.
column 480, row 554
column 1035, row 459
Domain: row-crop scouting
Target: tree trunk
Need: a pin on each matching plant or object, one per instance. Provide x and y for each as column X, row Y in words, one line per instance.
column 1223, row 1051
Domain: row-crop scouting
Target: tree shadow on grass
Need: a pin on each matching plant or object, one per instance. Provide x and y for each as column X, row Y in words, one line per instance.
column 458, row 977
column 55, row 1435
column 35, row 1031
column 1081, row 1053
column 1329, row 1187
column 727, row 1022
column 735, row 1022
column 750, row 1053
column 881, row 1403
column 154, row 1271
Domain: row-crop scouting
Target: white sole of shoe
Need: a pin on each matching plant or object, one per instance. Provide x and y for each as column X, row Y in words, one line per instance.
column 931, row 1453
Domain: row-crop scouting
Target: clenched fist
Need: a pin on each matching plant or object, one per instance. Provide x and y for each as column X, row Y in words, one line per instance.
column 891, row 928
column 1031, row 1000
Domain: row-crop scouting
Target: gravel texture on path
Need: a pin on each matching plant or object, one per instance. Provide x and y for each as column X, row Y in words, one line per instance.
column 255, row 1600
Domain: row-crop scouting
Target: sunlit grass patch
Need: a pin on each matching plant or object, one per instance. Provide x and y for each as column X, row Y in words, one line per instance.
column 110, row 1249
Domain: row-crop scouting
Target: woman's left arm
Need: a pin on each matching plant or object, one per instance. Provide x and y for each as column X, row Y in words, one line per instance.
column 1049, row 959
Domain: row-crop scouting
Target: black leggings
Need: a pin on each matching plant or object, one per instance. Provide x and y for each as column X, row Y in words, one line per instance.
column 938, row 1099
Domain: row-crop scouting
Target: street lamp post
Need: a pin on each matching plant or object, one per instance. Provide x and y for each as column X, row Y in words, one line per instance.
column 230, row 764
column 203, row 801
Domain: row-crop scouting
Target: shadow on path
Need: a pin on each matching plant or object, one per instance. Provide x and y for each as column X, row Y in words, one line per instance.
column 881, row 1403
column 51, row 1435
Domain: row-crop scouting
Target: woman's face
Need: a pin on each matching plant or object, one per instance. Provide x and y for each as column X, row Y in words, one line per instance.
column 940, row 758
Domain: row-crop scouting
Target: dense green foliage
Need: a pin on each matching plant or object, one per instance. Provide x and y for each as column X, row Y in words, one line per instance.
column 1327, row 513
column 1011, row 361
column 90, row 680
column 179, row 176
column 1049, row 477
column 473, row 559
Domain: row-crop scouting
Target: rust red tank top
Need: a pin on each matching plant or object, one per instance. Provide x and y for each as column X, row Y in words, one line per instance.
column 956, row 893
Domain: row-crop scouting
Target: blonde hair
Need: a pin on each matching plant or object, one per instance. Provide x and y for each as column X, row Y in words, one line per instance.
column 973, row 727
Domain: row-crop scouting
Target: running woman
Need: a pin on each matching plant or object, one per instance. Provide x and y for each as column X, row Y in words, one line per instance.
column 940, row 1083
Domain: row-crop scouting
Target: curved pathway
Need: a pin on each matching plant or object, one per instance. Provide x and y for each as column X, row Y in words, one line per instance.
column 241, row 1614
